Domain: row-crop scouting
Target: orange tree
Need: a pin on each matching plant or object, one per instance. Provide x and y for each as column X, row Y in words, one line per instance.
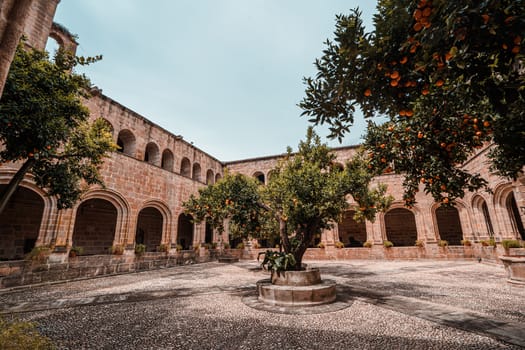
column 306, row 194
column 44, row 125
column 449, row 77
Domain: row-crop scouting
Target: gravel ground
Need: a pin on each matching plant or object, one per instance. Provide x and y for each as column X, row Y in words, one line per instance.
column 205, row 309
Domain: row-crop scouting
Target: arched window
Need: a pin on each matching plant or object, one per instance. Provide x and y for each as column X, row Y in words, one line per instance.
column 126, row 142
column 209, row 177
column 95, row 225
column 196, row 173
column 185, row 231
column 514, row 215
column 149, row 228
column 259, row 176
column 185, row 167
column 351, row 232
column 20, row 223
column 167, row 160
column 449, row 225
column 400, row 225
column 217, row 177
column 152, row 154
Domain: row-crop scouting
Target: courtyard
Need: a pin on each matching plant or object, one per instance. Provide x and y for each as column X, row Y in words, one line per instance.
column 425, row 304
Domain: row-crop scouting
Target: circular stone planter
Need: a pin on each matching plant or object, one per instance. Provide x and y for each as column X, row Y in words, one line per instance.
column 296, row 288
column 515, row 267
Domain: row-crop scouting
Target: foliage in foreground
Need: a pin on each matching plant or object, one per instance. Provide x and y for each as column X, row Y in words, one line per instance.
column 18, row 335
column 448, row 75
column 307, row 193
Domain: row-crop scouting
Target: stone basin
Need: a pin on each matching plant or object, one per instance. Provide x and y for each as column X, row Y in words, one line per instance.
column 515, row 267
column 296, row 288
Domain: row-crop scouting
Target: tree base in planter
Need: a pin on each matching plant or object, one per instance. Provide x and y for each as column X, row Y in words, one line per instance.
column 296, row 288
column 515, row 267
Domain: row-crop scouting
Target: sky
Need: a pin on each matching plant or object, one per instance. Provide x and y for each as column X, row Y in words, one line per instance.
column 227, row 75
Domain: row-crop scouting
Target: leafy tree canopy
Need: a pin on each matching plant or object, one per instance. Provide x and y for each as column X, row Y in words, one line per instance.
column 449, row 76
column 306, row 194
column 44, row 124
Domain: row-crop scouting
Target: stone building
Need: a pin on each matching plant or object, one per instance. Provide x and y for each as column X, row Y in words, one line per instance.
column 156, row 171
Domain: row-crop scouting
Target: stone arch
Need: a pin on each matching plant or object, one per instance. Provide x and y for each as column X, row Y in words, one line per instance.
column 185, row 228
column 196, row 172
column 63, row 38
column 150, row 223
column 209, row 177
column 351, row 232
column 448, row 224
column 185, row 167
column 509, row 219
column 167, row 160
column 21, row 223
column 122, row 210
column 217, row 177
column 50, row 212
column 259, row 175
column 126, row 142
column 164, row 210
column 400, row 227
column 95, row 223
column 152, row 154
column 482, row 217
column 208, row 232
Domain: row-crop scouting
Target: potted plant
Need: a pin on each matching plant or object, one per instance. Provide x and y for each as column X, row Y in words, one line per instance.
column 466, row 242
column 339, row 245
column 368, row 244
column 388, row 244
column 443, row 243
column 140, row 249
column 75, row 251
column 116, row 249
column 419, row 243
column 163, row 248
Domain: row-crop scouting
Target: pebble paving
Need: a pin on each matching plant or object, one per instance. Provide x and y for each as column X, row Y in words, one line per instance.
column 380, row 305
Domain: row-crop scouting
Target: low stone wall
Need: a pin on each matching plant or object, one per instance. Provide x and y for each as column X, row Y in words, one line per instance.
column 25, row 272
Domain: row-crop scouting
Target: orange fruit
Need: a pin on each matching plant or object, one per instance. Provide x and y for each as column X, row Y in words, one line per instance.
column 383, row 146
column 504, row 46
column 424, row 92
column 448, row 56
column 485, row 18
column 383, row 160
column 445, row 200
column 394, row 74
column 420, row 135
column 440, row 82
column 418, row 26
column 486, row 123
column 403, row 60
column 516, row 49
column 394, row 83
column 368, row 92
column 517, row 40
column 427, row 12
column 402, row 113
column 409, row 113
column 443, row 187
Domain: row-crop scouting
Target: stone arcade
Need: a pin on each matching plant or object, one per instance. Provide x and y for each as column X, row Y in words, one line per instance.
column 156, row 171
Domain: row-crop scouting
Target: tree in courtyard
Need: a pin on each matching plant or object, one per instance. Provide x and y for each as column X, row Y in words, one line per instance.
column 307, row 192
column 448, row 75
column 44, row 125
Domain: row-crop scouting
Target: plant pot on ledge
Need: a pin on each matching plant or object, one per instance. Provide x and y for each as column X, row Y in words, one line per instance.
column 515, row 267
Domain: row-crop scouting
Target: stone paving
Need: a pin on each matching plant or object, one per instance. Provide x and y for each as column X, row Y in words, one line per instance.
column 381, row 305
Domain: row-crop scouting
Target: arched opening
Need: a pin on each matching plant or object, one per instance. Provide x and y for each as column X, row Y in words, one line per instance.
column 351, row 232
column 208, row 233
column 271, row 174
column 149, row 228
column 20, row 223
column 337, row 167
column 109, row 126
column 400, row 225
column 209, row 177
column 196, row 172
column 449, row 225
column 167, row 160
column 185, row 167
column 514, row 215
column 126, row 142
column 95, row 225
column 152, row 154
column 217, row 177
column 259, row 176
column 185, row 231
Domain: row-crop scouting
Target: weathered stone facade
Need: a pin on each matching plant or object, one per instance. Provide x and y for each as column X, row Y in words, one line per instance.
column 156, row 171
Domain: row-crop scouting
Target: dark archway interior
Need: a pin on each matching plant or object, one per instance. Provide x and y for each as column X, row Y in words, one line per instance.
column 185, row 231
column 149, row 228
column 351, row 232
column 400, row 227
column 449, row 225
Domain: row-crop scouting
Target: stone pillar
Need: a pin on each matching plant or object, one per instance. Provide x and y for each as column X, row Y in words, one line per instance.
column 13, row 17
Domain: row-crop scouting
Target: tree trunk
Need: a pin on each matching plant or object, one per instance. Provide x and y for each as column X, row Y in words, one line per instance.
column 8, row 192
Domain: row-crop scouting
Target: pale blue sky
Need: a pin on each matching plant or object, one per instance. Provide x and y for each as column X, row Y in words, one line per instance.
column 225, row 74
